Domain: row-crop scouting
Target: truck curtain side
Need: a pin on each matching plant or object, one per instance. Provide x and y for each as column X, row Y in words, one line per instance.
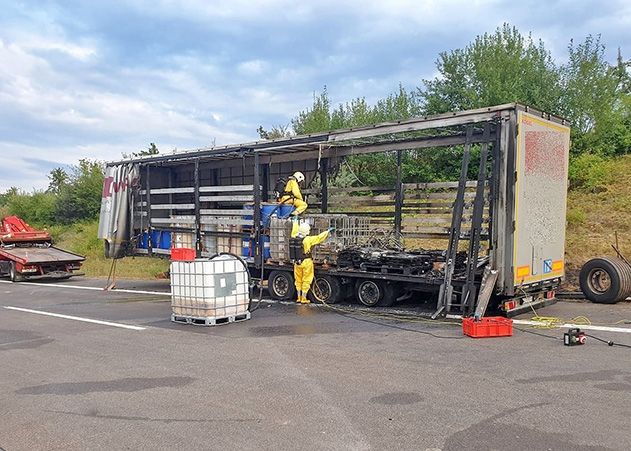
column 505, row 209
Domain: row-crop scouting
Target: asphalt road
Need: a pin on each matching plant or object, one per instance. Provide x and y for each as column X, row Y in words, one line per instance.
column 296, row 377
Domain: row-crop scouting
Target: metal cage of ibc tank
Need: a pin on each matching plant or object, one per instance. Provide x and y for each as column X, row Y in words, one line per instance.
column 208, row 292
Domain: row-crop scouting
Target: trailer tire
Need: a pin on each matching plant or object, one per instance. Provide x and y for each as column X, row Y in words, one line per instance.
column 280, row 285
column 326, row 290
column 369, row 292
column 606, row 280
column 14, row 275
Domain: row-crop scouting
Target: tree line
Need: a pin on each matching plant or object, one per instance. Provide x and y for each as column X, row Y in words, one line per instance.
column 500, row 67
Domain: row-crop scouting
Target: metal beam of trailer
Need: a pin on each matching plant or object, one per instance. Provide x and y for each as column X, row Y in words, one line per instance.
column 312, row 141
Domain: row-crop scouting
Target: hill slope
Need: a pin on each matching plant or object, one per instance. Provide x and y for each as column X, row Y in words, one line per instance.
column 593, row 218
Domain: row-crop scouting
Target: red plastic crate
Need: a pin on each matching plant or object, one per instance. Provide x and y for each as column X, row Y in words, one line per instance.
column 490, row 326
column 182, row 254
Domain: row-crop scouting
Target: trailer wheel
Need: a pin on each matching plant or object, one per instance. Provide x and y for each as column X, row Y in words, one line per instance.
column 369, row 292
column 14, row 275
column 606, row 280
column 280, row 285
column 326, row 289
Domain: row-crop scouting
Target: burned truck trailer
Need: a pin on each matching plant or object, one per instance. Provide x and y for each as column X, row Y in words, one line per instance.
column 493, row 235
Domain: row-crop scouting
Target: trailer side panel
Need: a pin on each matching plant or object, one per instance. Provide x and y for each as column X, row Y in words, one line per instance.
column 540, row 199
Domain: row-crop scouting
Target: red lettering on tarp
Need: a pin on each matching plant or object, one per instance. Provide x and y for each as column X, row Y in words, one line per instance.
column 111, row 187
column 107, row 187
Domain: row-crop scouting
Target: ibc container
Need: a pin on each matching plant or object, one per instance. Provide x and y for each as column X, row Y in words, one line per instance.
column 209, row 288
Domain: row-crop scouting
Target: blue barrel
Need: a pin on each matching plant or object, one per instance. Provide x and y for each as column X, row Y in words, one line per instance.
column 165, row 240
column 155, row 238
column 266, row 211
column 284, row 211
column 143, row 243
column 249, row 211
column 245, row 247
column 267, row 252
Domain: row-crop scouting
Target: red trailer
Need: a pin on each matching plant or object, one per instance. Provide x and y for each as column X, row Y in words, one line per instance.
column 27, row 253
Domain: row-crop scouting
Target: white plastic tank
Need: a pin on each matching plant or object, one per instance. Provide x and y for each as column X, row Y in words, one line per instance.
column 205, row 288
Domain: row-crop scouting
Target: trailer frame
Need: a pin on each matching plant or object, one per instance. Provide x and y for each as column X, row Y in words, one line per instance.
column 494, row 129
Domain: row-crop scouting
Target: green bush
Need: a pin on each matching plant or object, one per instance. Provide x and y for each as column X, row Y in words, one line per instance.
column 589, row 172
column 37, row 208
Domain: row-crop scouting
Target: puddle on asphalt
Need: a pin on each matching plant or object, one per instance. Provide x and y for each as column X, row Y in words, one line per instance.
column 299, row 329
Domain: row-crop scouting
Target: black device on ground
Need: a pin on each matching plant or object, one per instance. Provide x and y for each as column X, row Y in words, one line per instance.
column 574, row 337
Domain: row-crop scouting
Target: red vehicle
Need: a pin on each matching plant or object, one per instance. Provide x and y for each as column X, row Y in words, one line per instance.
column 26, row 253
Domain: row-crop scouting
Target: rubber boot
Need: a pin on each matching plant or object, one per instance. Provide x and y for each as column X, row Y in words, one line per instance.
column 299, row 298
column 305, row 300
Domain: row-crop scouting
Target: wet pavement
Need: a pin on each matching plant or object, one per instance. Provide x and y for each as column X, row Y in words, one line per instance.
column 297, row 377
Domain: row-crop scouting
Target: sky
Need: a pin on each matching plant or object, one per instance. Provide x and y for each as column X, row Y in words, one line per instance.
column 95, row 79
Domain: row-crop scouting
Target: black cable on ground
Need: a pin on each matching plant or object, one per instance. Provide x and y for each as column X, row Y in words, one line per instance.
column 536, row 333
column 394, row 326
column 609, row 342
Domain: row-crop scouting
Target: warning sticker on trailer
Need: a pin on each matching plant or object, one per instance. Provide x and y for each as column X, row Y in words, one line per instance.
column 547, row 266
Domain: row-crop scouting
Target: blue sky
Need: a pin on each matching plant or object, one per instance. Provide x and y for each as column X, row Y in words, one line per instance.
column 93, row 79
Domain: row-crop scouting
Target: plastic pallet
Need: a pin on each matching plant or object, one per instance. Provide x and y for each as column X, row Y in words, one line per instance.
column 209, row 321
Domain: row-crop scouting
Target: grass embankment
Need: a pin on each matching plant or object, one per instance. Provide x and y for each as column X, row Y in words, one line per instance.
column 82, row 239
column 594, row 217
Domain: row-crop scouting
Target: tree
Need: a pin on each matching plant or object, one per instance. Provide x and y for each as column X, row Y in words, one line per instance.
column 276, row 132
column 58, row 179
column 152, row 149
column 80, row 198
column 595, row 99
column 496, row 68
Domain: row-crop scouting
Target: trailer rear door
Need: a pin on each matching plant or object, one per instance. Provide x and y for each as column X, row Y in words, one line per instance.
column 540, row 199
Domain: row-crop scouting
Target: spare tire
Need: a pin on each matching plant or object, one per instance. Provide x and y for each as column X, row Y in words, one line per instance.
column 606, row 280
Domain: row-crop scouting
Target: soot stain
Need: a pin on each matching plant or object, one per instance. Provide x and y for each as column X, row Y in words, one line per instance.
column 594, row 376
column 615, row 386
column 396, row 398
column 126, row 385
column 21, row 339
column 93, row 413
column 492, row 434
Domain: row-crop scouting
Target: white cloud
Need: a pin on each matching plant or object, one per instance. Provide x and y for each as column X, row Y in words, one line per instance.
column 85, row 93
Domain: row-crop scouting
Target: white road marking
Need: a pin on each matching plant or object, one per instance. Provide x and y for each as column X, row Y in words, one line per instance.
column 75, row 318
column 624, row 330
column 79, row 287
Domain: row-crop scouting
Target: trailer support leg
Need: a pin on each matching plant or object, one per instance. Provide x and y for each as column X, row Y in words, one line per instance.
column 469, row 291
column 446, row 289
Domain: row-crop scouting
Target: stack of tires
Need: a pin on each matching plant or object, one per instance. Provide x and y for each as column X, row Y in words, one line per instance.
column 606, row 280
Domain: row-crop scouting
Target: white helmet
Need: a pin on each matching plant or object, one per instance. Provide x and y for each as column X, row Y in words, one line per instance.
column 299, row 176
column 304, row 229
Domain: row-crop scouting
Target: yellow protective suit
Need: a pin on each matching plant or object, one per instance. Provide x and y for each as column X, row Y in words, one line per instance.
column 303, row 272
column 294, row 197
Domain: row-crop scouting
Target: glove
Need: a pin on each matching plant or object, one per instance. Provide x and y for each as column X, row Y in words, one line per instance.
column 331, row 229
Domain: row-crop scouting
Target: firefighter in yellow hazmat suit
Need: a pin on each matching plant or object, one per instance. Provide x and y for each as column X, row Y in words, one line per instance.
column 292, row 194
column 300, row 246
